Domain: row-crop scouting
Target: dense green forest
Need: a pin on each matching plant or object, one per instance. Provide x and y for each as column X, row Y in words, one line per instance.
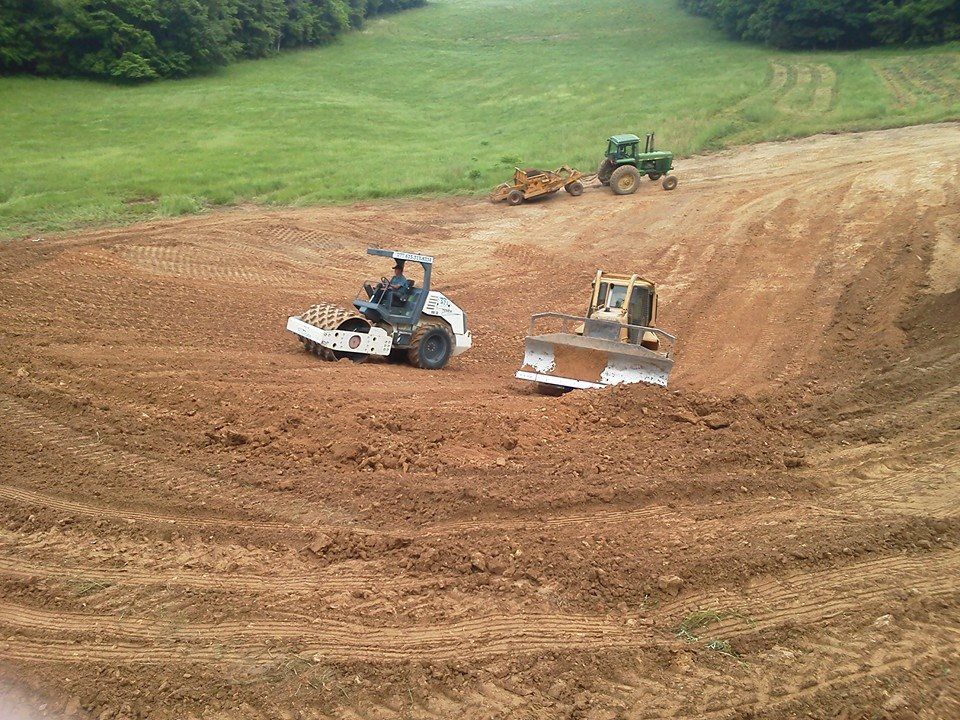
column 833, row 24
column 134, row 40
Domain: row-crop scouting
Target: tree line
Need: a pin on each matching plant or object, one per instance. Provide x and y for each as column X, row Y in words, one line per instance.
column 829, row 24
column 137, row 40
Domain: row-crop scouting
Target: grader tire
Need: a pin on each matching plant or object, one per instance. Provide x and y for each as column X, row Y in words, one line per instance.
column 514, row 197
column 431, row 347
column 625, row 180
column 575, row 188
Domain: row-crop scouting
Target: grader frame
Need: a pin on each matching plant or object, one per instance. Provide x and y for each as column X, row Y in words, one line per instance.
column 533, row 183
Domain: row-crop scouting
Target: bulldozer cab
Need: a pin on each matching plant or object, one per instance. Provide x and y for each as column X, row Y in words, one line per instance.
column 628, row 300
column 402, row 306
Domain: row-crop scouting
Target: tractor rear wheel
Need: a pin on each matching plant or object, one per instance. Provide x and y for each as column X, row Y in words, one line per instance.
column 625, row 180
column 654, row 176
column 430, row 347
column 669, row 182
column 514, row 197
column 575, row 188
column 604, row 171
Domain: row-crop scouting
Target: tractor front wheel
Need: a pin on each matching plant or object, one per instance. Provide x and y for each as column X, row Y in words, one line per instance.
column 575, row 188
column 669, row 182
column 625, row 180
column 514, row 197
column 654, row 176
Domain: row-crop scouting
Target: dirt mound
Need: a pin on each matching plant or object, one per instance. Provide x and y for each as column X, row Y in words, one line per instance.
column 198, row 519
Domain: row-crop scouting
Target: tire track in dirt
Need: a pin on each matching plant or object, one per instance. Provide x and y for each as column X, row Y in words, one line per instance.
column 89, row 449
column 595, row 517
column 547, row 520
column 192, row 263
column 801, row 686
column 821, row 595
column 53, row 502
column 928, row 490
column 320, row 580
column 92, row 450
column 809, row 599
column 148, row 641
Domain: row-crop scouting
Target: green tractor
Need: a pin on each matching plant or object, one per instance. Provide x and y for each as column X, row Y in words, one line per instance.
column 623, row 165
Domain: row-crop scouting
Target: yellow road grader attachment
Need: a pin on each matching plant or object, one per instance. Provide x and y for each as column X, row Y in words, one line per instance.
column 532, row 183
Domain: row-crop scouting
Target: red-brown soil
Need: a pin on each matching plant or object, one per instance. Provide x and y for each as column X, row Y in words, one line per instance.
column 200, row 520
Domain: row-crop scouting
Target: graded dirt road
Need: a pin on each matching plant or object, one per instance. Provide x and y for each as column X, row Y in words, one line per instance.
column 200, row 520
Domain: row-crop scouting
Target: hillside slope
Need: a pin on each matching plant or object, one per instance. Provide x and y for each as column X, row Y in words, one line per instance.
column 200, row 520
column 441, row 99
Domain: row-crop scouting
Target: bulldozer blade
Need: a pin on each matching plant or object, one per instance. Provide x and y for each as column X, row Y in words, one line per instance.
column 575, row 361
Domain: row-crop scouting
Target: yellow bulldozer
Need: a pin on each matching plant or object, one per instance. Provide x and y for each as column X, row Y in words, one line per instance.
column 616, row 342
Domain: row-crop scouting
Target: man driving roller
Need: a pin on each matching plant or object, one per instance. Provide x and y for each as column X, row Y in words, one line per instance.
column 399, row 284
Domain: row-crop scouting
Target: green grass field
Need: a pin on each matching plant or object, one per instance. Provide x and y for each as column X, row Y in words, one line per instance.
column 441, row 99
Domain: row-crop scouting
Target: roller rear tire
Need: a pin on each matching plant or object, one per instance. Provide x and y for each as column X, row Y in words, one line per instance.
column 431, row 347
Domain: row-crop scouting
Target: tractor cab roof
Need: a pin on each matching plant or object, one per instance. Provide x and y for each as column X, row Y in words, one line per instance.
column 424, row 260
column 624, row 139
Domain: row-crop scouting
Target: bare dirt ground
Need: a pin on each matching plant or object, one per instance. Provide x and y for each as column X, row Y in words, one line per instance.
column 200, row 520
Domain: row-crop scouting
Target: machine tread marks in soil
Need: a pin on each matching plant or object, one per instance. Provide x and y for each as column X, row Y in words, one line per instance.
column 624, row 165
column 420, row 324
